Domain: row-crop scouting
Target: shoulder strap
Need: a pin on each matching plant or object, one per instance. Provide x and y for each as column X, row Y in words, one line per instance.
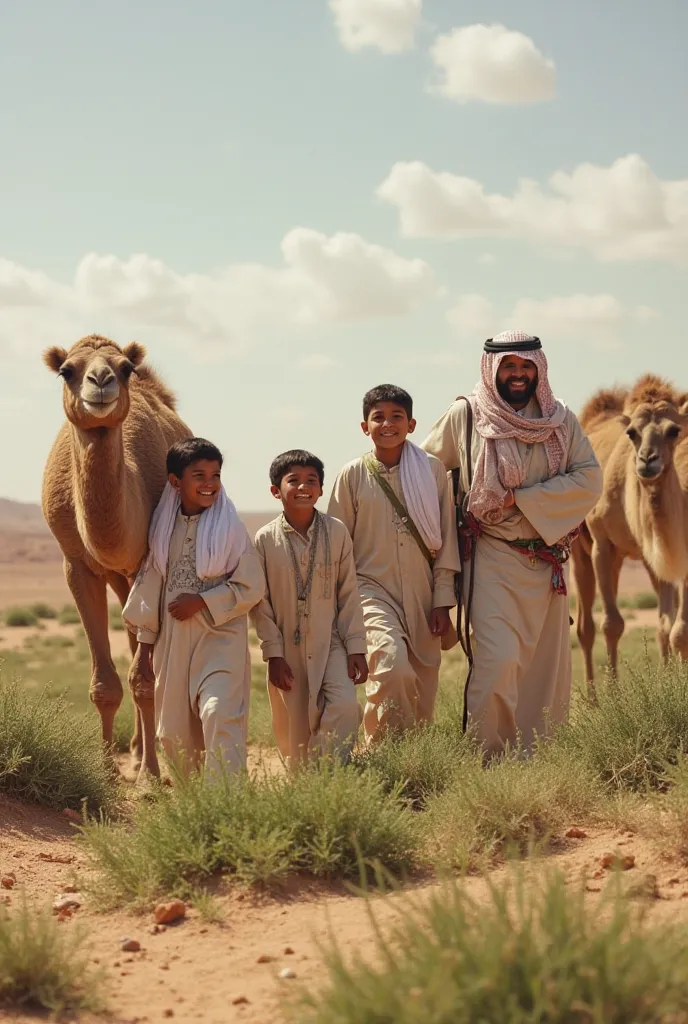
column 399, row 507
column 456, row 473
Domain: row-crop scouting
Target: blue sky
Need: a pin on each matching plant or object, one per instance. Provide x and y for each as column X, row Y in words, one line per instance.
column 199, row 137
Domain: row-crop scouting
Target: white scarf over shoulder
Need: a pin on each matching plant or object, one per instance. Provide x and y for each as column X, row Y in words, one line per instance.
column 420, row 491
column 221, row 539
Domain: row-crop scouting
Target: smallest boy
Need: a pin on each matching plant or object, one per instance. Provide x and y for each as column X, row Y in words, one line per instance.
column 310, row 622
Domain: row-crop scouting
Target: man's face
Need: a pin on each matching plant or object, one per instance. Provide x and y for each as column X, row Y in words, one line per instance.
column 517, row 380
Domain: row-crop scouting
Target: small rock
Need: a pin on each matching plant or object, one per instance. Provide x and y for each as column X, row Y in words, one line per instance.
column 203, row 931
column 155, row 929
column 130, row 945
column 7, row 882
column 240, row 1001
column 56, row 858
column 576, row 833
column 64, row 915
column 618, row 860
column 72, row 815
column 67, row 902
column 265, row 958
column 286, row 973
column 674, row 881
column 592, row 888
column 164, row 967
column 288, row 951
column 167, row 913
column 168, row 1013
column 69, row 888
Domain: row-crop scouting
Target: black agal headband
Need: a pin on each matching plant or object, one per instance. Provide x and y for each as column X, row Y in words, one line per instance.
column 521, row 344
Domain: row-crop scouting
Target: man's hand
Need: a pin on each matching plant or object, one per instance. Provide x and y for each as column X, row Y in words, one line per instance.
column 185, row 606
column 440, row 623
column 358, row 668
column 142, row 663
column 510, row 499
column 279, row 674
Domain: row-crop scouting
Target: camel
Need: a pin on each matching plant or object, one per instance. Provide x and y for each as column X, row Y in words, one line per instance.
column 639, row 437
column 103, row 478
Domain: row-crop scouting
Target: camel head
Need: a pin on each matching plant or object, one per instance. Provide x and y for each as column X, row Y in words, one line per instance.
column 96, row 374
column 654, row 428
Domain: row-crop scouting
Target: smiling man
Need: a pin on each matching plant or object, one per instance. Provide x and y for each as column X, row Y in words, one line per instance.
column 526, row 477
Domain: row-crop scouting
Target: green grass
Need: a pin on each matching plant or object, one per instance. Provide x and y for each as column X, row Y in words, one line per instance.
column 45, row 966
column 43, row 611
column 533, row 954
column 20, row 617
column 69, row 616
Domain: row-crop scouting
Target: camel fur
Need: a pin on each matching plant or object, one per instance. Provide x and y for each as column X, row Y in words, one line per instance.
column 103, row 478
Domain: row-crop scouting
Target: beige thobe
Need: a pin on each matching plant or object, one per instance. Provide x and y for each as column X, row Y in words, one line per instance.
column 321, row 712
column 202, row 666
column 398, row 591
column 521, row 679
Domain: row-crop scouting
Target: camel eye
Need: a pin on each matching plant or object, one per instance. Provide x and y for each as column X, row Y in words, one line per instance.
column 632, row 433
column 673, row 431
column 66, row 372
column 127, row 370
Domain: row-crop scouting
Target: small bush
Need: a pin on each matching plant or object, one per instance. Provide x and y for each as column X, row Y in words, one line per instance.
column 48, row 755
column 534, row 953
column 43, row 611
column 321, row 821
column 646, row 600
column 69, row 616
column 19, row 617
column 115, row 617
column 43, row 966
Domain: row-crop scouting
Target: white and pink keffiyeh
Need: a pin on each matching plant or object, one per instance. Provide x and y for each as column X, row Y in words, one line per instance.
column 420, row 492
column 500, row 467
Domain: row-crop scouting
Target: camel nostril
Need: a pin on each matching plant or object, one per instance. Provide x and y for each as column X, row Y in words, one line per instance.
column 101, row 378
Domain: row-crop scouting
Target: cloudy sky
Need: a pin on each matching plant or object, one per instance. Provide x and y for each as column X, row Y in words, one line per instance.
column 290, row 201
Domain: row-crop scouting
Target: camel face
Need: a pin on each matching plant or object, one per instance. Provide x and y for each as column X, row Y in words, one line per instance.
column 653, row 431
column 96, row 375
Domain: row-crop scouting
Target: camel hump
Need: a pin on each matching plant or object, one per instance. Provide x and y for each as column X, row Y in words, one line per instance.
column 605, row 403
column 649, row 390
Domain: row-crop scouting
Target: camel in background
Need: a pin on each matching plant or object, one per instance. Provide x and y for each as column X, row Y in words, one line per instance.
column 103, row 478
column 639, row 439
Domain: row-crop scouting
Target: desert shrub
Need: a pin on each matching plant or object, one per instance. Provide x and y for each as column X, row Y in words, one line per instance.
column 43, row 966
column 124, row 725
column 533, row 953
column 48, row 755
column 20, row 617
column 638, row 725
column 115, row 617
column 69, row 616
column 646, row 600
column 43, row 611
column 509, row 806
column 322, row 821
column 671, row 812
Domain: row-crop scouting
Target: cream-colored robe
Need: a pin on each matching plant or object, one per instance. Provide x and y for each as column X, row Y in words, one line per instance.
column 398, row 591
column 321, row 712
column 521, row 679
column 202, row 666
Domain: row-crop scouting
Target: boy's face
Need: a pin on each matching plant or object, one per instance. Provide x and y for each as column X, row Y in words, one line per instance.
column 387, row 425
column 300, row 488
column 199, row 485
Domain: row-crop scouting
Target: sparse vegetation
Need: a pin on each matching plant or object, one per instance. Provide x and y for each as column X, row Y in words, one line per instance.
column 69, row 616
column 20, row 617
column 43, row 966
column 43, row 611
column 534, row 953
column 646, row 600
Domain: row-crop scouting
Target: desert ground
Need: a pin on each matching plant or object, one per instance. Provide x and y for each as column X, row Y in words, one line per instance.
column 227, row 968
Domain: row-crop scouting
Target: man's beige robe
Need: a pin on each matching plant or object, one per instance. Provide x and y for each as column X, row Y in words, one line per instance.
column 398, row 591
column 202, row 666
column 521, row 679
column 321, row 713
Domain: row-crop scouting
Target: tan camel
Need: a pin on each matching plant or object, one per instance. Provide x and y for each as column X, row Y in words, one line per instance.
column 642, row 514
column 102, row 480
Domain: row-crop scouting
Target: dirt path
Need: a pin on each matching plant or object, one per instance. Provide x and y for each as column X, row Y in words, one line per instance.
column 212, row 972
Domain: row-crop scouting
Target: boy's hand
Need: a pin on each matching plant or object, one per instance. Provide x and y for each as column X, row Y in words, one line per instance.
column 440, row 623
column 279, row 674
column 185, row 606
column 358, row 668
column 142, row 663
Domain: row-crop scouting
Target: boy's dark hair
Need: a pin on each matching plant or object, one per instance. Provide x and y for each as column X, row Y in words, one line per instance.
column 191, row 449
column 387, row 393
column 296, row 457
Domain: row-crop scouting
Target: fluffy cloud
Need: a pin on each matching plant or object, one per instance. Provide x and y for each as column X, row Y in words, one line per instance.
column 588, row 319
column 493, row 64
column 620, row 212
column 388, row 25
column 323, row 280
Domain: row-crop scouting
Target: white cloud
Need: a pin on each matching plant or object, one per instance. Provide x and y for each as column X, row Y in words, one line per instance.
column 388, row 25
column 588, row 319
column 619, row 213
column 493, row 64
column 323, row 280
column 318, row 361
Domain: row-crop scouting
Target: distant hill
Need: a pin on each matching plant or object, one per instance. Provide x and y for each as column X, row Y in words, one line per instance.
column 21, row 517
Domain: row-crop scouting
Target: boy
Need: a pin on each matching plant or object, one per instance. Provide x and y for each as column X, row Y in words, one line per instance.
column 189, row 606
column 310, row 622
column 396, row 504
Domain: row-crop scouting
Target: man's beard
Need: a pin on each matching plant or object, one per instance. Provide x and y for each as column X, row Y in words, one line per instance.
column 517, row 397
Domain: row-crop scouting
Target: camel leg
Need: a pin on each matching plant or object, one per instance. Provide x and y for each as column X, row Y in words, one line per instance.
column 666, row 595
column 584, row 576
column 90, row 596
column 679, row 631
column 121, row 586
column 607, row 561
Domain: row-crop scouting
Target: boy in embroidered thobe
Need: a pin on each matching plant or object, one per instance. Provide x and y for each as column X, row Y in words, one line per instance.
column 406, row 558
column 535, row 478
column 310, row 622
column 189, row 607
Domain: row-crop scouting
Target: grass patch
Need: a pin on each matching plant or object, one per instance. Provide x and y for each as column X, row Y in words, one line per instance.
column 48, row 756
column 69, row 616
column 43, row 611
column 321, row 821
column 20, row 617
column 116, row 622
column 43, row 966
column 534, row 953
column 646, row 600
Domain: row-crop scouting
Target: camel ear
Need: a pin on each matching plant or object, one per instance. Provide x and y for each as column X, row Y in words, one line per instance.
column 135, row 353
column 54, row 358
column 683, row 405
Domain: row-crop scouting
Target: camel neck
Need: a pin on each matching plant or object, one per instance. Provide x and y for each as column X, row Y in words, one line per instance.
column 661, row 509
column 102, row 491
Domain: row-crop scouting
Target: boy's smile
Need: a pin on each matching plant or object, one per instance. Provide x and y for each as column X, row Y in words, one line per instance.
column 298, row 491
column 387, row 427
column 198, row 486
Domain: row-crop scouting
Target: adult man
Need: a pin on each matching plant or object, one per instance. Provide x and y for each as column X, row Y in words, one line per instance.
column 531, row 478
